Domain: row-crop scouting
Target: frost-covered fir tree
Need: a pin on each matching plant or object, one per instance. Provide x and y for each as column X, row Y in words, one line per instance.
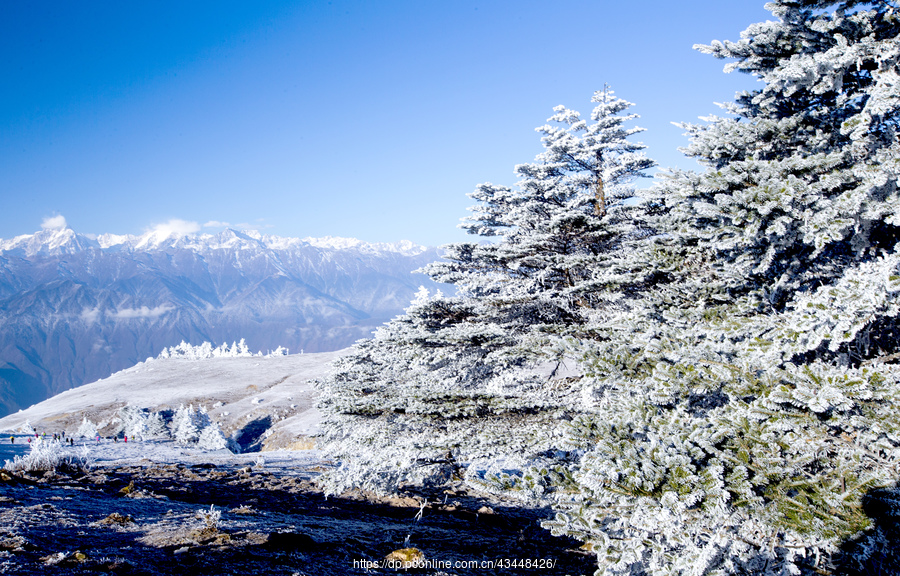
column 565, row 219
column 801, row 184
column 212, row 438
column 191, row 426
column 744, row 417
column 155, row 426
column 87, row 429
column 184, row 425
column 464, row 384
column 134, row 422
column 141, row 423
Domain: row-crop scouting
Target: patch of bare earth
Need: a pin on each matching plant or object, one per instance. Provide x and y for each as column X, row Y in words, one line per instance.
column 171, row 519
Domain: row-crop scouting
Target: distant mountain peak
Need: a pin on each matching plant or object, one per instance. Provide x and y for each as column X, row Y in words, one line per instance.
column 49, row 241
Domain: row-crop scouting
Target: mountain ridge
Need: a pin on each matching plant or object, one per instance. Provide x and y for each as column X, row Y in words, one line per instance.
column 65, row 240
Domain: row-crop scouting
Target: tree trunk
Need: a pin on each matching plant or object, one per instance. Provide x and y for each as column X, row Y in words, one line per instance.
column 599, row 193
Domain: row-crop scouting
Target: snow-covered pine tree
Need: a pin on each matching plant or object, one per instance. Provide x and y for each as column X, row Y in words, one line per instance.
column 745, row 412
column 802, row 183
column 212, row 438
column 155, row 426
column 567, row 218
column 477, row 380
column 184, row 426
column 87, row 429
column 201, row 418
column 204, row 350
column 134, row 422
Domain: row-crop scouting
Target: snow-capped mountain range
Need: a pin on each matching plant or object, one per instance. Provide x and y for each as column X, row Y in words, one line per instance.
column 75, row 308
column 67, row 241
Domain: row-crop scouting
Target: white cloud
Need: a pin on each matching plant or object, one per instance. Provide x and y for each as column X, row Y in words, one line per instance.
column 90, row 315
column 216, row 224
column 101, row 345
column 142, row 312
column 54, row 222
column 175, row 227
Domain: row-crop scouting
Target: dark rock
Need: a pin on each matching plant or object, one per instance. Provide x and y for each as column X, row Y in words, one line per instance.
column 291, row 541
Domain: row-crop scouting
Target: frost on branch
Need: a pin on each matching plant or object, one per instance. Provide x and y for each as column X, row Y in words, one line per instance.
column 743, row 406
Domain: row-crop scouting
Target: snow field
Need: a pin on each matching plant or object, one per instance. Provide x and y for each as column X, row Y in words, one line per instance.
column 273, row 395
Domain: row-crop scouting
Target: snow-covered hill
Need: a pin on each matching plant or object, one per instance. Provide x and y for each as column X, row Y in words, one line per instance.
column 76, row 308
column 262, row 402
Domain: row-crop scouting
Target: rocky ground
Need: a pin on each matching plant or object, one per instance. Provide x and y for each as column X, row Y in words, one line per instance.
column 152, row 518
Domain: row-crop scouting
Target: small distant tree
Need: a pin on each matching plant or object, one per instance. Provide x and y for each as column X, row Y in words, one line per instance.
column 134, row 421
column 204, row 350
column 156, row 426
column 87, row 429
column 184, row 425
column 212, row 438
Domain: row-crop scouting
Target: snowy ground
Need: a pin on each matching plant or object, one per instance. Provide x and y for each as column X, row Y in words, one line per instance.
column 111, row 454
column 146, row 508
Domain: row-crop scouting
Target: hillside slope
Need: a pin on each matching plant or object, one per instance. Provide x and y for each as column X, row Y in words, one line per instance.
column 263, row 402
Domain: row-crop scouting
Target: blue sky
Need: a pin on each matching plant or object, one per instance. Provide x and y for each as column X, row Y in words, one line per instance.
column 370, row 119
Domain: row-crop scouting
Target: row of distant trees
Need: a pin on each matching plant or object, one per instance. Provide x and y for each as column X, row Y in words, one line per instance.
column 187, row 426
column 701, row 380
column 207, row 350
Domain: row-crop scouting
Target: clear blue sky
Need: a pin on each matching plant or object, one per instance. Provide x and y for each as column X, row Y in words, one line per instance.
column 362, row 118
